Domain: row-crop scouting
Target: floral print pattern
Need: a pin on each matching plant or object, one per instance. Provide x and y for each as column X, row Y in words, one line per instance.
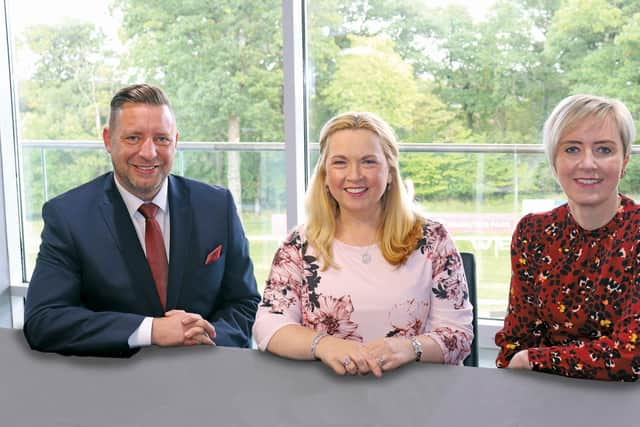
column 361, row 302
column 333, row 316
column 406, row 319
column 284, row 280
column 575, row 296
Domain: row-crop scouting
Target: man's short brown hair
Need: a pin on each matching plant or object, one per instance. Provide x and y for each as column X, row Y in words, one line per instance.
column 137, row 94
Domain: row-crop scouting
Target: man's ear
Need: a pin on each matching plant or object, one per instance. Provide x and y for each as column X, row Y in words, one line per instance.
column 106, row 138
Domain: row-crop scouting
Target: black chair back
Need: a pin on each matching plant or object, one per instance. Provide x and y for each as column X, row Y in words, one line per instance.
column 469, row 263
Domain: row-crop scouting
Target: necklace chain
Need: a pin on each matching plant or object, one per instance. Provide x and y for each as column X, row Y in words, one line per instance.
column 366, row 256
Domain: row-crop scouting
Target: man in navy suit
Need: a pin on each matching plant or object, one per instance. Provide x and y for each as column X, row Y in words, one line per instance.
column 109, row 280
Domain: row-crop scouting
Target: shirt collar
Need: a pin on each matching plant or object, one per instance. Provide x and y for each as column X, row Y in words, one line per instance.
column 133, row 202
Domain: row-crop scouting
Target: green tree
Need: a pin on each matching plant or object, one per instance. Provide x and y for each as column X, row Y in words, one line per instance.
column 65, row 98
column 604, row 60
column 440, row 176
column 325, row 35
column 389, row 88
column 220, row 61
column 595, row 44
column 432, row 121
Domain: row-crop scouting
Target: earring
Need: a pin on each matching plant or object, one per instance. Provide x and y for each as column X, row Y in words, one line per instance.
column 622, row 175
column 388, row 186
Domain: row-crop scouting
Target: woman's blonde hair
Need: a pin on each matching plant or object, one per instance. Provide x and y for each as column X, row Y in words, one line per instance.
column 401, row 225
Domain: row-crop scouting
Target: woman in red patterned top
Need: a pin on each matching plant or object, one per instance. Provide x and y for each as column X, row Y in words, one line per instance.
column 574, row 304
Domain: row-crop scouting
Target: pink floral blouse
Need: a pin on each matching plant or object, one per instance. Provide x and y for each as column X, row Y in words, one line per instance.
column 366, row 297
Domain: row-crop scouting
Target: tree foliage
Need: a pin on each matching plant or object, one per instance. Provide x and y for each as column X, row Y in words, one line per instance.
column 436, row 74
column 66, row 98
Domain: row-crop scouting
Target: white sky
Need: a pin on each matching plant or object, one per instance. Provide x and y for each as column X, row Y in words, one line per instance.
column 26, row 13
column 30, row 12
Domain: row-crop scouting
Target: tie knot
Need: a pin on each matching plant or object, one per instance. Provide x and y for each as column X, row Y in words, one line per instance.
column 148, row 210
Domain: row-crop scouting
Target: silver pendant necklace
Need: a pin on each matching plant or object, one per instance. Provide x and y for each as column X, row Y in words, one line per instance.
column 366, row 256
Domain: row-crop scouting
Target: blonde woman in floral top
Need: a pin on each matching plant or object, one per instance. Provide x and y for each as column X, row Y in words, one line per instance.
column 368, row 284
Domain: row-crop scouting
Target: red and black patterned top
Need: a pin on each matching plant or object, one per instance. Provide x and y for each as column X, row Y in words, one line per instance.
column 575, row 296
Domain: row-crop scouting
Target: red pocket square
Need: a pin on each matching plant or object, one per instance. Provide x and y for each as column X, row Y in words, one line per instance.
column 213, row 255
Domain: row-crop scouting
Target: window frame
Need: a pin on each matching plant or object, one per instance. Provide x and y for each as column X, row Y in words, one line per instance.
column 12, row 285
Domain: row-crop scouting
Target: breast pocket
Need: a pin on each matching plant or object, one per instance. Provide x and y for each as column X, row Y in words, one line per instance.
column 203, row 287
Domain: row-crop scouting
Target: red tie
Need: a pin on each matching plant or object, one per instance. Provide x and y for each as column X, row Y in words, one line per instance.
column 156, row 254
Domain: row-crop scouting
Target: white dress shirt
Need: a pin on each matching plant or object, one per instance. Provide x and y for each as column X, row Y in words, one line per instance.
column 142, row 336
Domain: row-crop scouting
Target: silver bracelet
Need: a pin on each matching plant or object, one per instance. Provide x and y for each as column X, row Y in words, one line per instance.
column 315, row 341
column 417, row 347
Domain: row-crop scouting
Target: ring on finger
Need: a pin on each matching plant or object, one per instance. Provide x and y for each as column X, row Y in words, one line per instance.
column 346, row 362
column 381, row 361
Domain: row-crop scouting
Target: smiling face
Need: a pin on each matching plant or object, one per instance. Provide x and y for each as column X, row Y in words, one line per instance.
column 142, row 146
column 357, row 172
column 589, row 163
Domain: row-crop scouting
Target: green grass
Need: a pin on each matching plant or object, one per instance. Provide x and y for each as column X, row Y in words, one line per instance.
column 493, row 272
column 262, row 255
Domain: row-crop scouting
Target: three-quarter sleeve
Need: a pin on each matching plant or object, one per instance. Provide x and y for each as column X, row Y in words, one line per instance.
column 451, row 315
column 521, row 321
column 281, row 299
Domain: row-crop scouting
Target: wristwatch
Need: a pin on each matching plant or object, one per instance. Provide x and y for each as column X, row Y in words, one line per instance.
column 417, row 347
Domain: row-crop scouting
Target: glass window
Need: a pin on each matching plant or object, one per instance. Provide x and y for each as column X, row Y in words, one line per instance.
column 472, row 74
column 220, row 63
column 460, row 78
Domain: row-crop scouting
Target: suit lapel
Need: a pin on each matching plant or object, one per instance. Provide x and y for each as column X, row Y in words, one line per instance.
column 180, row 212
column 119, row 224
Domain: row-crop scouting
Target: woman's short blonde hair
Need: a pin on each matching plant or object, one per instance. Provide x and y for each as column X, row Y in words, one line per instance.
column 571, row 111
column 401, row 225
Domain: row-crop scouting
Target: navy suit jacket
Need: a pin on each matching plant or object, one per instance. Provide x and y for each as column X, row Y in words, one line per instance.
column 92, row 286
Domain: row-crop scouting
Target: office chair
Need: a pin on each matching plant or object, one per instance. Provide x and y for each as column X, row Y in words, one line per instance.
column 469, row 263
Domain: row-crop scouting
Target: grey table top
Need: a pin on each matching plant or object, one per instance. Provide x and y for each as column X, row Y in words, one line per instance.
column 212, row 386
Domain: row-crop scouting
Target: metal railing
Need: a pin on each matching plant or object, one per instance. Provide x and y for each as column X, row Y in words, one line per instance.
column 219, row 146
column 409, row 147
